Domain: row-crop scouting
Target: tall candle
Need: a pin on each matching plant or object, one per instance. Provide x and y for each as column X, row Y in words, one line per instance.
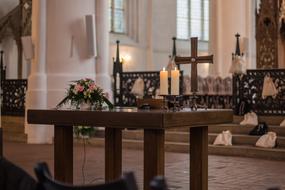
column 175, row 82
column 163, row 82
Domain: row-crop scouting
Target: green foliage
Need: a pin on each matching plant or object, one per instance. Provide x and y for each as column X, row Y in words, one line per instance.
column 83, row 131
column 86, row 91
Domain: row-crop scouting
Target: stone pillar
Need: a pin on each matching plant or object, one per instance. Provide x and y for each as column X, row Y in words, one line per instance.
column 67, row 54
column 223, row 30
column 103, row 77
column 249, row 41
column 61, row 56
column 36, row 96
column 149, row 37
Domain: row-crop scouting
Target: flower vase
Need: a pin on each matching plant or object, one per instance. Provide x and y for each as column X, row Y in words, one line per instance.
column 85, row 106
column 97, row 106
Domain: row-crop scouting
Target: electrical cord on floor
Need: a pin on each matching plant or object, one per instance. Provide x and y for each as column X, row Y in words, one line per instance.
column 93, row 180
column 84, row 160
column 84, row 164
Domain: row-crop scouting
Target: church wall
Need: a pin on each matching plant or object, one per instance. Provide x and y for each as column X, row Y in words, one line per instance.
column 67, row 58
column 158, row 20
column 161, row 16
column 238, row 19
column 164, row 28
column 134, row 48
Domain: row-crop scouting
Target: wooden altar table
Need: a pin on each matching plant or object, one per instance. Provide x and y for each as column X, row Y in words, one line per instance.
column 153, row 122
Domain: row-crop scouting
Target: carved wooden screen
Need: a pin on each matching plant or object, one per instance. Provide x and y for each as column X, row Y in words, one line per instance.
column 13, row 97
column 267, row 34
column 249, row 87
column 17, row 23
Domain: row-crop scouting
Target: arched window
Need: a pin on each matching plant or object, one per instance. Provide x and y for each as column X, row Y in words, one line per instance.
column 117, row 15
column 193, row 19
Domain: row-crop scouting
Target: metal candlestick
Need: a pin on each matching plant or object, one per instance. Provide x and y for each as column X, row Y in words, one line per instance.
column 171, row 99
column 164, row 103
column 193, row 103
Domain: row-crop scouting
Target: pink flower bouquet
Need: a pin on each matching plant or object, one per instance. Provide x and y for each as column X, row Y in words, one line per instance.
column 86, row 91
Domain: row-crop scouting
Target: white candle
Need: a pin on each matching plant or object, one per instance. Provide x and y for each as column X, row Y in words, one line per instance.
column 163, row 82
column 175, row 82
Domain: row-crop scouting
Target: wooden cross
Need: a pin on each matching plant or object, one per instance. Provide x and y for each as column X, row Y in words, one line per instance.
column 194, row 59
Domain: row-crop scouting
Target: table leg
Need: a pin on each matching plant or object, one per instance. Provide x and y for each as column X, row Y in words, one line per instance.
column 113, row 154
column 63, row 153
column 153, row 155
column 199, row 158
column 1, row 143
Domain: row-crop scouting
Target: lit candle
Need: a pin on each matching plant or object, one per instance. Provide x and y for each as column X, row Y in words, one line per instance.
column 163, row 82
column 175, row 82
column 118, row 81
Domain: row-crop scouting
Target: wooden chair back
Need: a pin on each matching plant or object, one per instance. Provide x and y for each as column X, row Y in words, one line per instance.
column 127, row 182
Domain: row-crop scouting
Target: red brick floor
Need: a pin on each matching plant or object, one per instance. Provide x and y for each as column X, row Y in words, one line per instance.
column 225, row 173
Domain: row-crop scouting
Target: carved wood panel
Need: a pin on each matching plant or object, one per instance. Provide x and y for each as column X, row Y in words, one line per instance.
column 249, row 87
column 17, row 23
column 26, row 17
column 13, row 97
column 267, row 34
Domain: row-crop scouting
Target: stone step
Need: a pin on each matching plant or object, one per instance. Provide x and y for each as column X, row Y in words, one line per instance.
column 270, row 120
column 13, row 124
column 14, row 137
column 183, row 137
column 235, row 129
column 13, row 128
column 247, row 140
column 239, row 129
column 249, row 151
column 235, row 150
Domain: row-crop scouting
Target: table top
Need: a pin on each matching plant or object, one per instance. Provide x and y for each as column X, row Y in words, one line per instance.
column 130, row 117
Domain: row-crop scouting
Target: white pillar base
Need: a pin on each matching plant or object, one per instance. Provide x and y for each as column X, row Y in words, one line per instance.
column 39, row 134
column 36, row 98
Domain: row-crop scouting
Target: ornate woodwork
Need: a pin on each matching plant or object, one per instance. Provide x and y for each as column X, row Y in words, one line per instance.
column 127, row 80
column 26, row 6
column 267, row 30
column 151, row 81
column 211, row 101
column 13, row 97
column 2, row 67
column 249, row 87
column 17, row 23
column 282, row 19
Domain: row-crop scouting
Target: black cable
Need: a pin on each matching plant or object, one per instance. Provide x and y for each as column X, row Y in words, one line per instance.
column 84, row 160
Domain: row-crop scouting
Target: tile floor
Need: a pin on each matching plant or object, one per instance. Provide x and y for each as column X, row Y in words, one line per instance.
column 225, row 173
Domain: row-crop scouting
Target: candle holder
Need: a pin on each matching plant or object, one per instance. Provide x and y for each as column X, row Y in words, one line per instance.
column 165, row 102
column 176, row 103
column 172, row 102
column 193, row 103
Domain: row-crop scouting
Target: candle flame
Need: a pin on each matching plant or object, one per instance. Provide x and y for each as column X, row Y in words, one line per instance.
column 163, row 69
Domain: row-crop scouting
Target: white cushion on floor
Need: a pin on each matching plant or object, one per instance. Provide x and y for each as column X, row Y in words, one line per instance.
column 282, row 124
column 224, row 138
column 250, row 119
column 267, row 141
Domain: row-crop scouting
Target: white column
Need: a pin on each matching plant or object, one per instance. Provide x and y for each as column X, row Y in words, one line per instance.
column 249, row 41
column 215, row 36
column 67, row 53
column 36, row 96
column 149, row 37
column 224, row 28
column 103, row 77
